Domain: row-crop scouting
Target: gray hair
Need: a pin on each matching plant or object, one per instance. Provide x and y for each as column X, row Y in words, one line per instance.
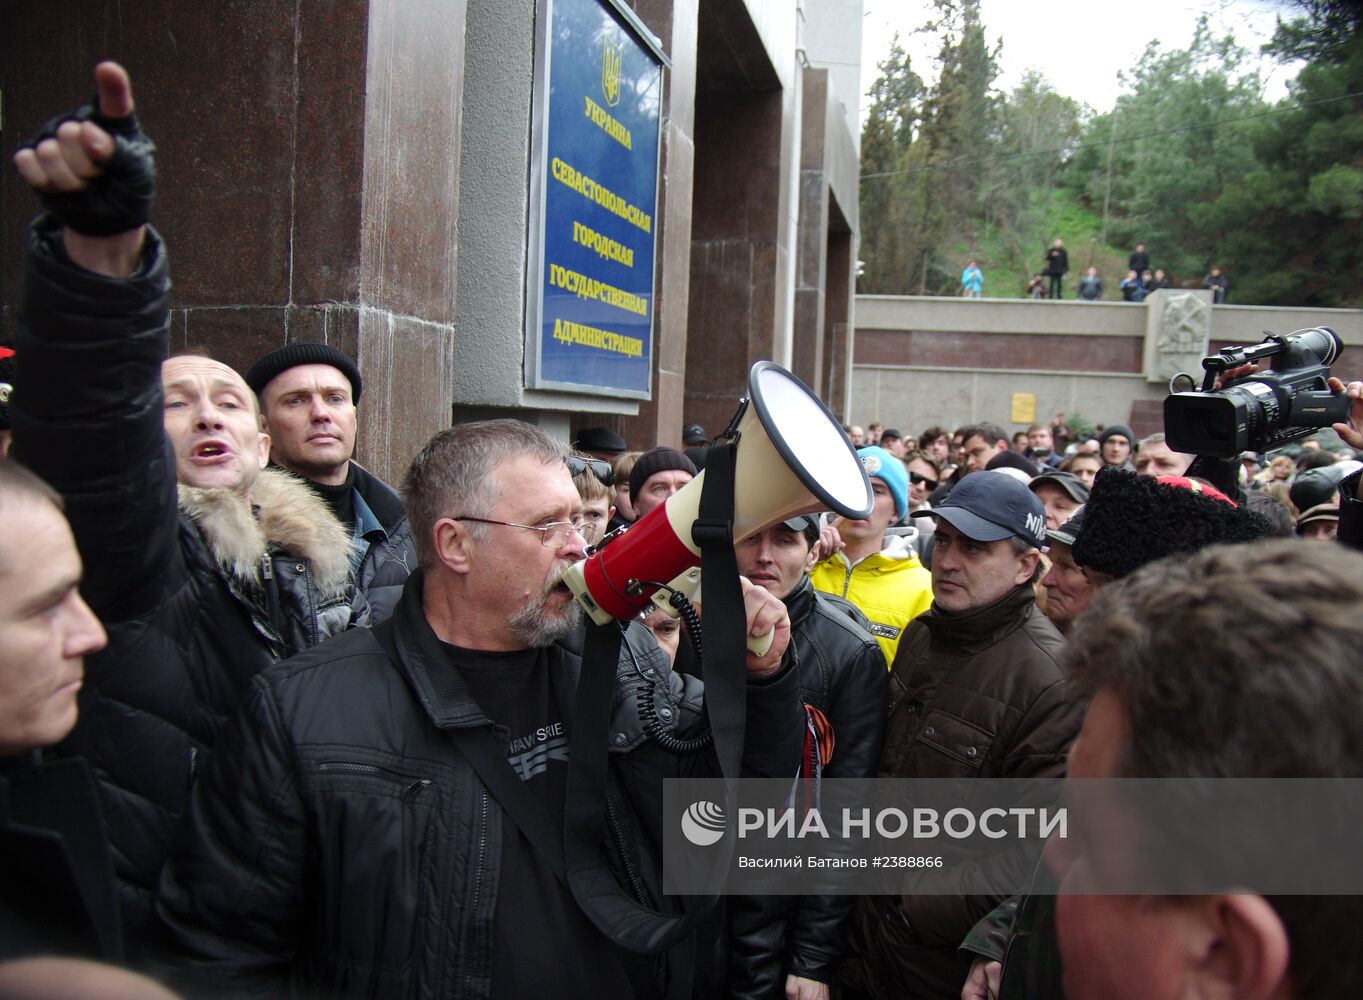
column 1242, row 662
column 1021, row 546
column 452, row 475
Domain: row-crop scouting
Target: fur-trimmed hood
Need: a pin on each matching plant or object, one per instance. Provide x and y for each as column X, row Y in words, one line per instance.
column 287, row 514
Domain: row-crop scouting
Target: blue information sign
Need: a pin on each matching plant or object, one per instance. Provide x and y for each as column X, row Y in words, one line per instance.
column 590, row 318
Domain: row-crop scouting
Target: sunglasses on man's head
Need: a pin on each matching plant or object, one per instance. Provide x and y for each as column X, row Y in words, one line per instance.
column 918, row 480
column 602, row 470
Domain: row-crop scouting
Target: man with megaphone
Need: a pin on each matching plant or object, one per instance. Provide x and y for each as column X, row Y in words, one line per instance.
column 386, row 817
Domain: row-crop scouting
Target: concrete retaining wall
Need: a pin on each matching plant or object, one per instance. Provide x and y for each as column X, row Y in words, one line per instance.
column 926, row 360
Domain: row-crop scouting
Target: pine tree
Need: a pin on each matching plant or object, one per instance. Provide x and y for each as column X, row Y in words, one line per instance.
column 888, row 140
column 920, row 182
column 1038, row 129
column 959, row 132
column 1294, row 225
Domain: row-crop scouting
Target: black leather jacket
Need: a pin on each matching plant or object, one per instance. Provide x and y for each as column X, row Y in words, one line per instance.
column 842, row 673
column 1350, row 512
column 390, row 560
column 338, row 839
column 57, row 895
column 186, row 632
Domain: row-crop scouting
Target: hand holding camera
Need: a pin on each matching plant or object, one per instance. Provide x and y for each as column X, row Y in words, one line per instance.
column 1240, row 408
column 1352, row 432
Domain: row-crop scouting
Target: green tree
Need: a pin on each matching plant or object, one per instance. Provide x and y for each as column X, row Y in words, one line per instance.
column 922, row 149
column 1038, row 129
column 959, row 121
column 959, row 131
column 888, row 150
column 1169, row 148
column 1292, row 225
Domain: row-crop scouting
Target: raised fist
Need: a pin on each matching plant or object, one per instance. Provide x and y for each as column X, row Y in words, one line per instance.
column 93, row 167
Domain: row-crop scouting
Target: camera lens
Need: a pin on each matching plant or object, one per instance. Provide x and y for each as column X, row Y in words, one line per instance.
column 1216, row 424
column 1260, row 407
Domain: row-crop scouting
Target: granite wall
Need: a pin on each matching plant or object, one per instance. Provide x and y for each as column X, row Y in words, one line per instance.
column 307, row 154
column 922, row 360
column 359, row 172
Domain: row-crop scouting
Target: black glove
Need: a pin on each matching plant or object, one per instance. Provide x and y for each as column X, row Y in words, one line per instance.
column 121, row 197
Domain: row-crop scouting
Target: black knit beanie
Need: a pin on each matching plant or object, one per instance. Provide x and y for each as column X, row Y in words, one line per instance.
column 1114, row 430
column 1131, row 520
column 657, row 460
column 281, row 359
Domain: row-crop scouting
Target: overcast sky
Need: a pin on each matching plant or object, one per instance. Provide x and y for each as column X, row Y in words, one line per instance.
column 1079, row 45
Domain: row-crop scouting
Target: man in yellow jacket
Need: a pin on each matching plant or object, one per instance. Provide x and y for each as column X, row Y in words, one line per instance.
column 877, row 569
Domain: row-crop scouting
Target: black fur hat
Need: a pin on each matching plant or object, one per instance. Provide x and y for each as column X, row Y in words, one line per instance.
column 1131, row 520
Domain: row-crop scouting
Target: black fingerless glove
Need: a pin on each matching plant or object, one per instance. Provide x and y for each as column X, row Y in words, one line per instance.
column 121, row 197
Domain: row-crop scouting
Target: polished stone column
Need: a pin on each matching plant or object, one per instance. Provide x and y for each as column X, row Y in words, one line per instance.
column 811, row 247
column 734, row 248
column 660, row 419
column 836, row 381
column 747, row 132
column 307, row 173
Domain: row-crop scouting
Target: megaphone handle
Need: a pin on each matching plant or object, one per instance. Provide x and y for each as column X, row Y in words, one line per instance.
column 759, row 644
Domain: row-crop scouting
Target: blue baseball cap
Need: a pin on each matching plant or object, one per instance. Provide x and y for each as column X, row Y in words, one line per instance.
column 990, row 506
column 889, row 470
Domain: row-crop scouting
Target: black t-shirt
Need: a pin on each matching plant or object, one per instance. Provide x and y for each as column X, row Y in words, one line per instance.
column 543, row 944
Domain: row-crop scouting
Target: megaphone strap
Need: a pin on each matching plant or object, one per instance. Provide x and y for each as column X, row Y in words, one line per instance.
column 624, row 920
column 725, row 623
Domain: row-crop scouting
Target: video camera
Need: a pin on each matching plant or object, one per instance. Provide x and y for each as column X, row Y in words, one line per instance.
column 1264, row 409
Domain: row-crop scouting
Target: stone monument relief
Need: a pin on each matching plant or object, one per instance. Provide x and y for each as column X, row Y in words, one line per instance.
column 1177, row 331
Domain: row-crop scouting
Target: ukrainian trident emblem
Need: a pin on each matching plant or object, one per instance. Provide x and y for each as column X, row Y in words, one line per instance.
column 610, row 73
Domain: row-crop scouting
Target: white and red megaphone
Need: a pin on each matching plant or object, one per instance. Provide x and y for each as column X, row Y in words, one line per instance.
column 791, row 458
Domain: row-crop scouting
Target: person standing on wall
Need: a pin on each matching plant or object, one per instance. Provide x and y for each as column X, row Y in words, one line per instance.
column 972, row 280
column 1057, row 265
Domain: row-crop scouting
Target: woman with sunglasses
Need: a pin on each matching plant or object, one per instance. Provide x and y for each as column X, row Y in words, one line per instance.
column 925, row 474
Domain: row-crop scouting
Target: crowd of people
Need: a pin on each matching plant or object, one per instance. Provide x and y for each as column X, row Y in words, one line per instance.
column 272, row 726
column 1140, row 279
column 1138, row 283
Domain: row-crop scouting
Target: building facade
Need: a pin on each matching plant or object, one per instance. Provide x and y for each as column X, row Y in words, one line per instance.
column 373, row 174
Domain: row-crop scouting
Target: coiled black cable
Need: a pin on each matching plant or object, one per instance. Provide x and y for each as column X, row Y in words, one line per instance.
column 687, row 611
column 654, row 728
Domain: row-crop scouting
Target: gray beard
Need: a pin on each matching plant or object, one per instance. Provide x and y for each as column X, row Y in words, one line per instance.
column 535, row 625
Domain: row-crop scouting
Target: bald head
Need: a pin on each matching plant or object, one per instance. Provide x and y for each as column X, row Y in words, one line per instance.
column 75, row 979
column 213, row 424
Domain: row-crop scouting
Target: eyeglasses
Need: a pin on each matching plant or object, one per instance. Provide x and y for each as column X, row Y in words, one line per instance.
column 553, row 535
column 918, row 480
column 602, row 470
